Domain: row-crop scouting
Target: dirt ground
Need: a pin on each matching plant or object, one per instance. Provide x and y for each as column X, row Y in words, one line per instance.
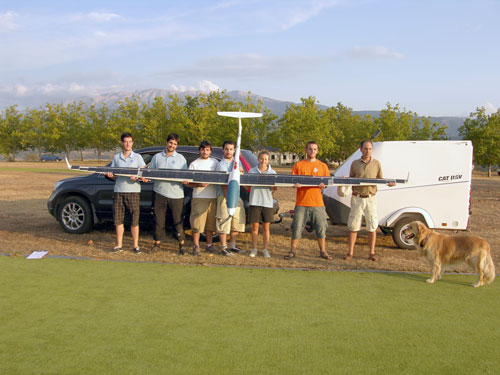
column 26, row 226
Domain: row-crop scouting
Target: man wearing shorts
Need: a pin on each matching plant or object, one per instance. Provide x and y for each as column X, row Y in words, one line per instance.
column 204, row 202
column 363, row 201
column 309, row 202
column 127, row 193
column 235, row 224
column 168, row 194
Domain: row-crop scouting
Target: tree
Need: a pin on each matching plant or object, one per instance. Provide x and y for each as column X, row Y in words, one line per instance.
column 99, row 132
column 484, row 132
column 38, row 132
column 155, row 122
column 12, row 138
column 349, row 129
column 127, row 118
column 304, row 122
column 401, row 125
column 69, row 123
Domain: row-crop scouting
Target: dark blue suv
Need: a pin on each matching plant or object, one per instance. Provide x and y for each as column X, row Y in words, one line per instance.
column 79, row 202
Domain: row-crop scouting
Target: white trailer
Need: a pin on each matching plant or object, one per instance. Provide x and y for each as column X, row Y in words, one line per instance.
column 437, row 193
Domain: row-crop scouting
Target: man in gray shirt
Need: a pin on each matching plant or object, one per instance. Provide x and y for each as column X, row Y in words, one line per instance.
column 168, row 194
column 126, row 193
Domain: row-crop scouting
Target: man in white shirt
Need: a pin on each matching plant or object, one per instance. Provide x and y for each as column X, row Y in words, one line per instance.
column 204, row 202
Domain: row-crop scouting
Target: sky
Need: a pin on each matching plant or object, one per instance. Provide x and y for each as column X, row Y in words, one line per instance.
column 436, row 58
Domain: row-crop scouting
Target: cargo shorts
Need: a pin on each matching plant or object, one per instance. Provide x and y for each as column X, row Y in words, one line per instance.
column 317, row 217
column 359, row 207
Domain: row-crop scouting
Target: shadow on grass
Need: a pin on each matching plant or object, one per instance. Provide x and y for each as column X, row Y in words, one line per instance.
column 422, row 277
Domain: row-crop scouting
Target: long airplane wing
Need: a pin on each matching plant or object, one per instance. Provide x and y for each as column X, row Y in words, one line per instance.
column 222, row 178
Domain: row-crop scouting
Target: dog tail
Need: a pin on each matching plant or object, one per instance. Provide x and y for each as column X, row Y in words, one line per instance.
column 488, row 268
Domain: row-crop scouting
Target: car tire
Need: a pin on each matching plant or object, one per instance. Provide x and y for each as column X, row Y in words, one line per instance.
column 397, row 232
column 75, row 215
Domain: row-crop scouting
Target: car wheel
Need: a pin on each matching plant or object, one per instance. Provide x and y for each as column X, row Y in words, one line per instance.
column 398, row 235
column 75, row 215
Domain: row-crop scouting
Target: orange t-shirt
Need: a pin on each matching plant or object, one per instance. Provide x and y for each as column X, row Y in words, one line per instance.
column 310, row 196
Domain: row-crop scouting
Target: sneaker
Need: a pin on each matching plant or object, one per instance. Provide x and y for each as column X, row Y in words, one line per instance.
column 117, row 249
column 235, row 249
column 211, row 249
column 136, row 250
column 196, row 251
column 225, row 251
column 253, row 253
column 181, row 250
column 266, row 253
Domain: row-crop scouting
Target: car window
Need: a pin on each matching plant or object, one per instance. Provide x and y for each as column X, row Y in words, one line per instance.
column 190, row 157
column 147, row 157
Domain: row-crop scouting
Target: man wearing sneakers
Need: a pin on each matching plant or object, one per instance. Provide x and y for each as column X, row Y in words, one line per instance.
column 235, row 224
column 127, row 193
column 168, row 194
column 363, row 201
column 309, row 202
column 204, row 202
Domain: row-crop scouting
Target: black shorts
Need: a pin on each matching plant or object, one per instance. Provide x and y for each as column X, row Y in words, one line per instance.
column 259, row 214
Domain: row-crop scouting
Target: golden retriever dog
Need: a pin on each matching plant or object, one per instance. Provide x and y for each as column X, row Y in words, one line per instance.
column 441, row 249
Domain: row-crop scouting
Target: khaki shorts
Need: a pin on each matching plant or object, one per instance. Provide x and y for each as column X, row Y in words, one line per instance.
column 315, row 215
column 203, row 214
column 236, row 223
column 359, row 207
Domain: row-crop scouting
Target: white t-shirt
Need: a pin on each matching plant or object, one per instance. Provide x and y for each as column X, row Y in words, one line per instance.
column 209, row 164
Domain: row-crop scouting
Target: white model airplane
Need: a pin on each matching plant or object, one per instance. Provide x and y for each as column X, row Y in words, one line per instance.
column 234, row 179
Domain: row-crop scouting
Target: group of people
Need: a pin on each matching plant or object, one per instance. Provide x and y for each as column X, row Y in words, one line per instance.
column 208, row 206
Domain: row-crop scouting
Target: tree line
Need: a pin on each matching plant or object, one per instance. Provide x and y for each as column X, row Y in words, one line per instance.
column 338, row 130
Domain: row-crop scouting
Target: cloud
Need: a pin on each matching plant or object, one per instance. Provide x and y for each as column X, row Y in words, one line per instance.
column 303, row 12
column 207, row 86
column 490, row 108
column 246, row 66
column 373, row 52
column 8, row 21
column 94, row 16
column 203, row 86
column 21, row 90
column 60, row 38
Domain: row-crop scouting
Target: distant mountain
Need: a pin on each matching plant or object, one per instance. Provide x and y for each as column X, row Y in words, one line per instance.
column 278, row 107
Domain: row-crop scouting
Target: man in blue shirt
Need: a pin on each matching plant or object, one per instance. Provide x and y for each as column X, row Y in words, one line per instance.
column 126, row 193
column 168, row 193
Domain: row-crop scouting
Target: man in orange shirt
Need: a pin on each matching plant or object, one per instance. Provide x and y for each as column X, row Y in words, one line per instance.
column 309, row 202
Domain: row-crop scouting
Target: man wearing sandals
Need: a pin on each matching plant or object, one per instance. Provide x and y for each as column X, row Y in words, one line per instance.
column 363, row 201
column 309, row 202
column 126, row 193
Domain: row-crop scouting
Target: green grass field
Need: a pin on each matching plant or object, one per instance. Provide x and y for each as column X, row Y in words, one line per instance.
column 60, row 316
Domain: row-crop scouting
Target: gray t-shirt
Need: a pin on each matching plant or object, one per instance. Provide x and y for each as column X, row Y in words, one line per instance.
column 261, row 196
column 169, row 189
column 124, row 184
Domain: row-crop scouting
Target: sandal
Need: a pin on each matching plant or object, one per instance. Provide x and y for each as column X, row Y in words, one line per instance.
column 325, row 255
column 373, row 257
column 348, row 257
column 290, row 255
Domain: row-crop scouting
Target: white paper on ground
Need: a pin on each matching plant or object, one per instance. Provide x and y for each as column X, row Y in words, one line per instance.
column 37, row 254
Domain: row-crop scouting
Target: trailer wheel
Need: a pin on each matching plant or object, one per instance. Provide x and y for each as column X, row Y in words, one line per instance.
column 397, row 232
